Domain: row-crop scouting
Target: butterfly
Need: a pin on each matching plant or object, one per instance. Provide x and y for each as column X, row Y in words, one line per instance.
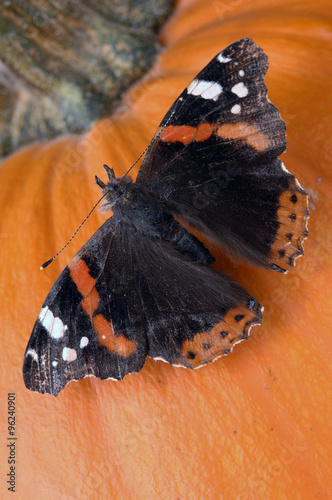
column 143, row 284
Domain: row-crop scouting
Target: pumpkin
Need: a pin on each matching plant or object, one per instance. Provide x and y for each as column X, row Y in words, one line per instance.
column 253, row 424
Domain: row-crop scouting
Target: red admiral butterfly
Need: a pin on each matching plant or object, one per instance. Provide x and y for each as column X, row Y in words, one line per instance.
column 142, row 286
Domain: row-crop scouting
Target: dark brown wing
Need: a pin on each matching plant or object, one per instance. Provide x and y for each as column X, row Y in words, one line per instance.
column 216, row 164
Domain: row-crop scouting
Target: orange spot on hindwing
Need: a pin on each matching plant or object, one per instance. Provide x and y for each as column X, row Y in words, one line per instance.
column 220, row 340
column 292, row 216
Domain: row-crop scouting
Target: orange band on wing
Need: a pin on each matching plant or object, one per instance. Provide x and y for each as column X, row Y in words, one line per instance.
column 251, row 135
column 118, row 344
column 79, row 272
column 185, row 133
column 91, row 302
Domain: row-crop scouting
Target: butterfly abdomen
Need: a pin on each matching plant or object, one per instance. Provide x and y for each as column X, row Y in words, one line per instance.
column 187, row 243
column 152, row 217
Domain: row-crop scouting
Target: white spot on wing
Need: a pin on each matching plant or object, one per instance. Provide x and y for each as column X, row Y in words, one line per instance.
column 69, row 354
column 84, row 342
column 33, row 354
column 192, row 85
column 54, row 363
column 240, row 89
column 46, row 318
column 205, row 89
column 223, row 59
column 58, row 329
column 53, row 325
column 241, row 72
column 236, row 109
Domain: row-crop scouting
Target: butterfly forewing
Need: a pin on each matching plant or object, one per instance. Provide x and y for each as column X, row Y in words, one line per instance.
column 215, row 161
column 89, row 323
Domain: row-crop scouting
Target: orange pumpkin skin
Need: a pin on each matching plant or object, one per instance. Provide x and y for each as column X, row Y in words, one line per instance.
column 251, row 425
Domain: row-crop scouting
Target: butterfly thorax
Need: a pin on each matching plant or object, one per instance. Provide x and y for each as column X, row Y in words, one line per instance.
column 136, row 206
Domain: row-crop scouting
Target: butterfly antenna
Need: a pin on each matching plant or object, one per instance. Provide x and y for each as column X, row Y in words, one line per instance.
column 156, row 136
column 48, row 262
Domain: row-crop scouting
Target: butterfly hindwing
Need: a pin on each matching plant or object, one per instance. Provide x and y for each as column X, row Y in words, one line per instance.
column 215, row 161
column 193, row 314
column 177, row 301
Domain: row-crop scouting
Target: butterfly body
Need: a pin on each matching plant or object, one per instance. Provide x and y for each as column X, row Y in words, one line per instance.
column 143, row 284
column 131, row 203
